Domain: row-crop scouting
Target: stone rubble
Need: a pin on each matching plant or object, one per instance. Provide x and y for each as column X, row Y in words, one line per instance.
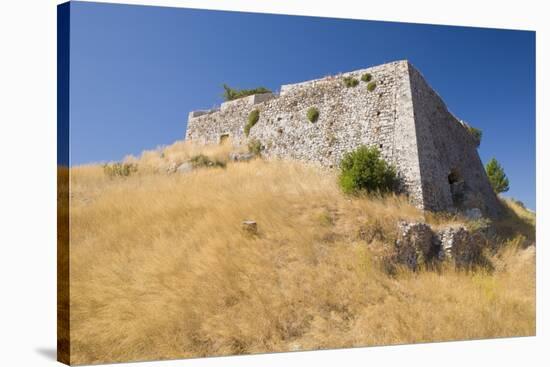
column 418, row 244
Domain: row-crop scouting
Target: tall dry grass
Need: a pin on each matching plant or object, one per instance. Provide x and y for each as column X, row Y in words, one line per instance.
column 161, row 269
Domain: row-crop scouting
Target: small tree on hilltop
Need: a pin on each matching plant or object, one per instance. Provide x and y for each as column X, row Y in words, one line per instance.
column 364, row 170
column 497, row 177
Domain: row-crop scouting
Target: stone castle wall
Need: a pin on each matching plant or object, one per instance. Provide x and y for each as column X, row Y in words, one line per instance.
column 387, row 117
column 348, row 117
column 447, row 152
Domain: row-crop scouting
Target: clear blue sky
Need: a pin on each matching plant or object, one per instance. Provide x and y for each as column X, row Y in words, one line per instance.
column 136, row 72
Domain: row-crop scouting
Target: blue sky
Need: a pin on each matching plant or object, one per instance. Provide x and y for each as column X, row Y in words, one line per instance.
column 136, row 72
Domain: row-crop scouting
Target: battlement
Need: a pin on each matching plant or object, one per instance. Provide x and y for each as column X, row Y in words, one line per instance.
column 395, row 110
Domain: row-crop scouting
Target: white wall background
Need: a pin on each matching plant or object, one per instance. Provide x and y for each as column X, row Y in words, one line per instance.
column 28, row 181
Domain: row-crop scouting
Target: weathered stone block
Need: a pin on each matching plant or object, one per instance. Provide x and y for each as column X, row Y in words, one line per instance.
column 460, row 246
column 250, row 227
column 415, row 245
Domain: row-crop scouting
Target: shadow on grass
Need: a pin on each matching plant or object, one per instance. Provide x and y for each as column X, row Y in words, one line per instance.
column 511, row 224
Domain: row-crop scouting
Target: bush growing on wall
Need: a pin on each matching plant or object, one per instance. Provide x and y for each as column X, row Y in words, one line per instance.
column 366, row 77
column 350, row 82
column 476, row 134
column 312, row 114
column 363, row 170
column 253, row 118
column 255, row 147
column 230, row 94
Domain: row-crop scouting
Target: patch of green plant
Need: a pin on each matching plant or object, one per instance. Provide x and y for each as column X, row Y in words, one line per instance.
column 119, row 169
column 253, row 118
column 350, row 82
column 312, row 114
column 497, row 177
column 202, row 160
column 230, row 94
column 255, row 147
column 476, row 134
column 363, row 170
column 371, row 86
column 367, row 77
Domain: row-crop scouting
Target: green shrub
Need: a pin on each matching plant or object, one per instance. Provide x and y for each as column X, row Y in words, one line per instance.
column 312, row 114
column 497, row 177
column 255, row 147
column 253, row 118
column 371, row 86
column 476, row 134
column 230, row 94
column 366, row 77
column 119, row 169
column 350, row 82
column 363, row 170
column 202, row 160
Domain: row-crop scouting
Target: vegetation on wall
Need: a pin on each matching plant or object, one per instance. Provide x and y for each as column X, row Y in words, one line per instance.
column 253, row 118
column 363, row 170
column 371, row 86
column 255, row 147
column 367, row 77
column 312, row 114
column 350, row 82
column 476, row 134
column 230, row 94
column 497, row 177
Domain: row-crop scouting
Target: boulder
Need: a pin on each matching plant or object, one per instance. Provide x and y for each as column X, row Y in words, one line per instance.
column 241, row 157
column 185, row 167
column 416, row 244
column 460, row 246
column 250, row 227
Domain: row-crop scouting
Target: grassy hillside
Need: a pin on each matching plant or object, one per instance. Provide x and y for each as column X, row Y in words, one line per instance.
column 160, row 267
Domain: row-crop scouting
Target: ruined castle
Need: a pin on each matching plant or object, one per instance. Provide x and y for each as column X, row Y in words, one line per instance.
column 389, row 106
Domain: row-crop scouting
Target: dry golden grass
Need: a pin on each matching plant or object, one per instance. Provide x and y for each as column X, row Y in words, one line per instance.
column 161, row 269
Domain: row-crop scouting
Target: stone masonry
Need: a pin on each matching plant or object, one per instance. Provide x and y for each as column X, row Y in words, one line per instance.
column 434, row 154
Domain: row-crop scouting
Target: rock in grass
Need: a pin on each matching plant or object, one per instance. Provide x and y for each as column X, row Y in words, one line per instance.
column 416, row 244
column 250, row 227
column 185, row 167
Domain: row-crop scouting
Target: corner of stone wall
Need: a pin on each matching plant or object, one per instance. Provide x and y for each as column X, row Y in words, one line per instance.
column 445, row 150
column 405, row 139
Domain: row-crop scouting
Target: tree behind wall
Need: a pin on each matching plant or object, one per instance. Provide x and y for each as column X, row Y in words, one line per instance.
column 497, row 177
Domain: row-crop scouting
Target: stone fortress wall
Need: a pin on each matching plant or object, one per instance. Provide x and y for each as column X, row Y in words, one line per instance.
column 402, row 116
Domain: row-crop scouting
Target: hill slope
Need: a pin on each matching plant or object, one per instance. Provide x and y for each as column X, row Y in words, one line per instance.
column 160, row 267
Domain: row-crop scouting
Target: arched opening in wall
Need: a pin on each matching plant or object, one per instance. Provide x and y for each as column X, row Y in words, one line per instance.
column 456, row 186
column 224, row 139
